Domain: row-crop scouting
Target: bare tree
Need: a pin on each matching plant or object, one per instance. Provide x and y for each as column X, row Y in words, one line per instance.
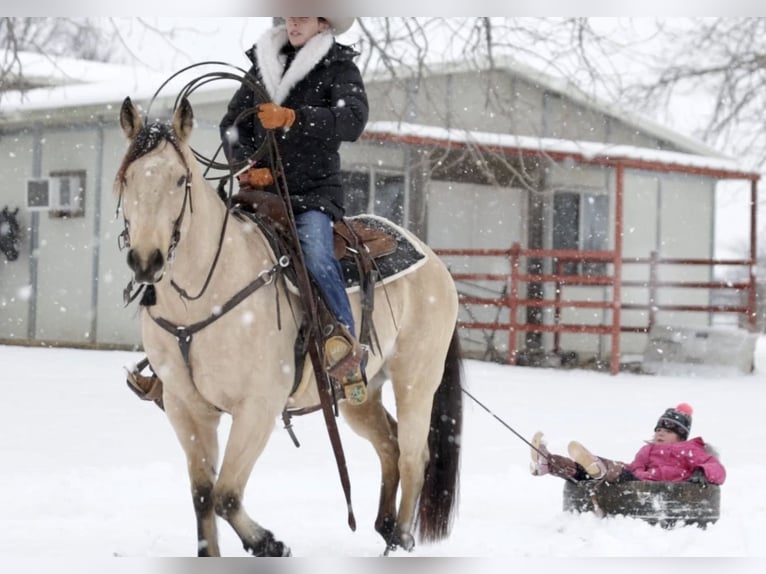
column 75, row 37
column 405, row 49
column 722, row 60
column 571, row 48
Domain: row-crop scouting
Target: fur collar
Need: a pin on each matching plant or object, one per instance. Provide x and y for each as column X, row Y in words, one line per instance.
column 271, row 62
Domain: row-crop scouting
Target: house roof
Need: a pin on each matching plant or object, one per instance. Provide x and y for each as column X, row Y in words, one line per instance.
column 42, row 70
column 75, row 83
column 67, row 83
column 565, row 88
column 580, row 151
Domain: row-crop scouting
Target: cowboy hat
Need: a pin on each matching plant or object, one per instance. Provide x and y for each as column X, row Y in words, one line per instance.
column 339, row 25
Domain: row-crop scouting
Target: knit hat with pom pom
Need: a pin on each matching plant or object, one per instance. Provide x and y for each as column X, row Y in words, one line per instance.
column 677, row 420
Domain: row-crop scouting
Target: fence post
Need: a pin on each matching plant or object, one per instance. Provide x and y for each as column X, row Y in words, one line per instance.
column 513, row 298
column 652, row 290
column 617, row 268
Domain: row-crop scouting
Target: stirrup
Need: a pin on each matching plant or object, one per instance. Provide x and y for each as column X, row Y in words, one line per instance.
column 343, row 362
column 355, row 387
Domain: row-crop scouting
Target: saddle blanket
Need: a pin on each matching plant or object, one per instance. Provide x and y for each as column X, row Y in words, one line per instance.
column 404, row 260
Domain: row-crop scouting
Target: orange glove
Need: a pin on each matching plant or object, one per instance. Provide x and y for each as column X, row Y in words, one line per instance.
column 255, row 177
column 274, row 116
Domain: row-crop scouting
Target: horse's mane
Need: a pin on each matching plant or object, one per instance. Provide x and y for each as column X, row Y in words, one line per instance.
column 148, row 139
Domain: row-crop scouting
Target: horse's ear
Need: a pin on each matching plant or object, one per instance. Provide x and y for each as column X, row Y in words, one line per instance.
column 183, row 120
column 130, row 119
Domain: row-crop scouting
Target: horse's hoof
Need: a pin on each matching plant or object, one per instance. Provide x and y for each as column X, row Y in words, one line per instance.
column 404, row 541
column 407, row 542
column 269, row 547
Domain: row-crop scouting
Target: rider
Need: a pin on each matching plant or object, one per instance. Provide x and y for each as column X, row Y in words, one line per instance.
column 318, row 101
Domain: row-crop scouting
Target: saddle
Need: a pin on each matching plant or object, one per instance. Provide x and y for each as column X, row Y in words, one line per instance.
column 351, row 237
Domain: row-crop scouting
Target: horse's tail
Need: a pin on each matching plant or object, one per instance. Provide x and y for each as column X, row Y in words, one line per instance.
column 439, row 497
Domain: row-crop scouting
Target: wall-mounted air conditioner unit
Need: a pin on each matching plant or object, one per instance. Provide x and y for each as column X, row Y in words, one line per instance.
column 42, row 194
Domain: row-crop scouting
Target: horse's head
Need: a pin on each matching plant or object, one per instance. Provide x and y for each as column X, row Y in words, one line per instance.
column 9, row 233
column 154, row 187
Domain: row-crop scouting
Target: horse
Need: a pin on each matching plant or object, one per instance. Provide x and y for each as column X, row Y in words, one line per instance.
column 9, row 233
column 178, row 237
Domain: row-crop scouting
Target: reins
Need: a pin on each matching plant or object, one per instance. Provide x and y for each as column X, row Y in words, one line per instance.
column 324, row 387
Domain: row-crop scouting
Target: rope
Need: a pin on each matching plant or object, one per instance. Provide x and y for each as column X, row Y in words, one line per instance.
column 502, row 422
column 238, row 75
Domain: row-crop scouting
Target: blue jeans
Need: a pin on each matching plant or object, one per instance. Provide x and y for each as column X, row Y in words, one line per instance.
column 315, row 235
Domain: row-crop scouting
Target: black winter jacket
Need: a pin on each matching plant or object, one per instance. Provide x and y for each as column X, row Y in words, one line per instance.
column 325, row 88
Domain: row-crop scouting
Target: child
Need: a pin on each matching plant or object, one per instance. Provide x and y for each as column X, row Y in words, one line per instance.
column 670, row 457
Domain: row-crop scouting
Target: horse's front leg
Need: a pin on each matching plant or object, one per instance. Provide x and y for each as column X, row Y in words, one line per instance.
column 251, row 428
column 198, row 435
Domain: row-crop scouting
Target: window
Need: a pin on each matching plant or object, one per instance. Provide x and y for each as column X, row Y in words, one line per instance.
column 71, row 194
column 385, row 197
column 581, row 222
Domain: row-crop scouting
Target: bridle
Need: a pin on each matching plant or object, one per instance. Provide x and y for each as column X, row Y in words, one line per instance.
column 123, row 240
column 184, row 333
column 132, row 290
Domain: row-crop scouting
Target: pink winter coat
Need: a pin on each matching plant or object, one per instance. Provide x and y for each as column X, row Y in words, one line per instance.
column 675, row 462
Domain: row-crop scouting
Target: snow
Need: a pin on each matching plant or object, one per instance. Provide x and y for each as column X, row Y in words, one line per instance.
column 586, row 149
column 91, row 471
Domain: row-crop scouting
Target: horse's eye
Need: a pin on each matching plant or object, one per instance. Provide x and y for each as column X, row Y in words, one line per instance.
column 181, row 181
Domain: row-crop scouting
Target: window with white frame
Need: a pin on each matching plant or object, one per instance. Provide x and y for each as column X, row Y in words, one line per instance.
column 71, row 193
column 581, row 222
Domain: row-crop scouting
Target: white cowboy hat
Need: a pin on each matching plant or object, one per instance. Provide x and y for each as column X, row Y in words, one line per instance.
column 339, row 25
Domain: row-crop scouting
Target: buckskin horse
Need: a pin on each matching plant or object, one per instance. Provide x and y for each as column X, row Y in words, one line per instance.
column 242, row 362
column 9, row 233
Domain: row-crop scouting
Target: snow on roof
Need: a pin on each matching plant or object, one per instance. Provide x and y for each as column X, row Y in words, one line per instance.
column 45, row 70
column 588, row 150
column 75, row 83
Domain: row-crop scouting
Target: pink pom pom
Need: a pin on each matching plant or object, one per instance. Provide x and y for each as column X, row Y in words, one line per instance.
column 685, row 408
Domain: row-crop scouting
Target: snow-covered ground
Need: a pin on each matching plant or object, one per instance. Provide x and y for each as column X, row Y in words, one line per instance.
column 90, row 472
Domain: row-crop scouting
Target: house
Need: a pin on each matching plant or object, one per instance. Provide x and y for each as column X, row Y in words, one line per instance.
column 570, row 225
